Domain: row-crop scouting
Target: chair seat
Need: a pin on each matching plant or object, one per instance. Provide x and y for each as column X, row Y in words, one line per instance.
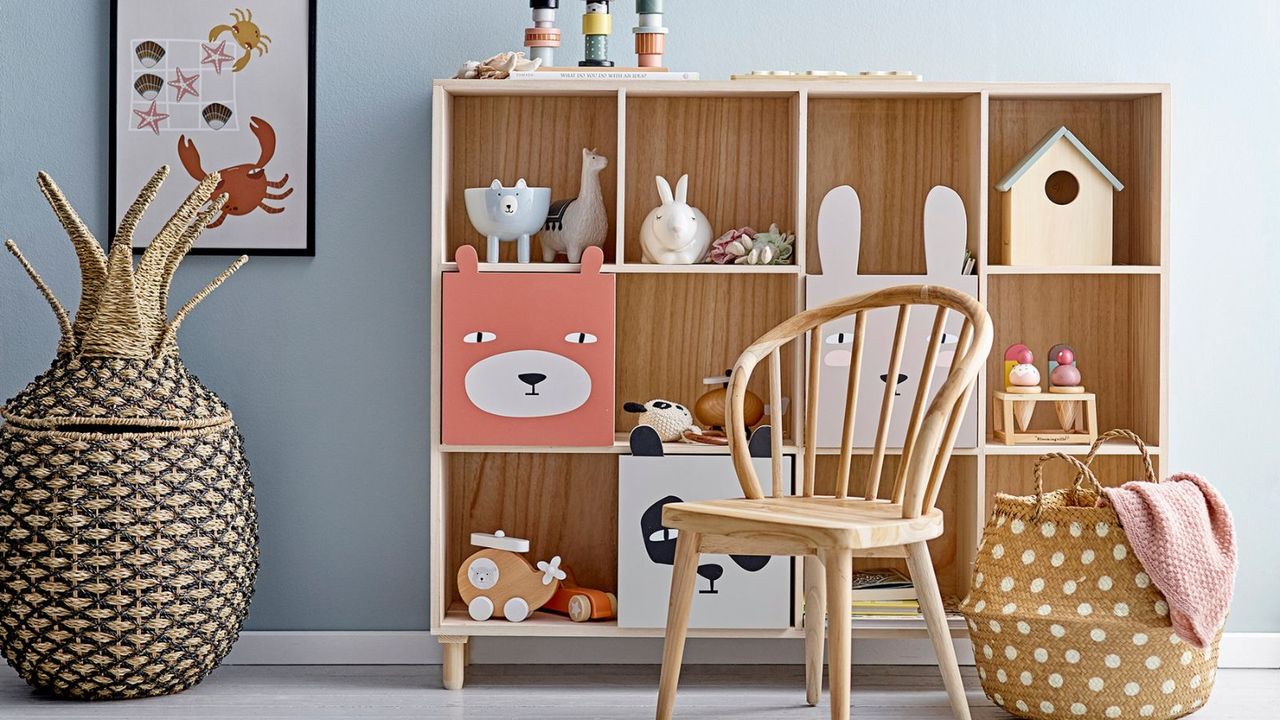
column 816, row 522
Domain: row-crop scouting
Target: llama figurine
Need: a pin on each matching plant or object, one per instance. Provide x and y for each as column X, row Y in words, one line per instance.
column 675, row 233
column 576, row 224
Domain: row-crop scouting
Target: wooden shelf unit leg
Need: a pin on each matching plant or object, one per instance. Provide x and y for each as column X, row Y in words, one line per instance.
column 455, row 654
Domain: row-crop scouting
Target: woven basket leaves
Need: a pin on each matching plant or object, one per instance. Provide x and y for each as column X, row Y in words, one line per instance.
column 128, row 533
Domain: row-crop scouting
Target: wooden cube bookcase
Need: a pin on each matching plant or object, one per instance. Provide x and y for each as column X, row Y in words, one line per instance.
column 768, row 151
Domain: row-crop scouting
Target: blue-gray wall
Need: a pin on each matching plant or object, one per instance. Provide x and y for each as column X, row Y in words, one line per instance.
column 324, row 360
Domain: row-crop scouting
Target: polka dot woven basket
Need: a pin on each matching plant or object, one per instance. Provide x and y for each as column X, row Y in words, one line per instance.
column 1064, row 621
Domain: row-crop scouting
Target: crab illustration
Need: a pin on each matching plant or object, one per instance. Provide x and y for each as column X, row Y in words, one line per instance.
column 246, row 185
column 247, row 35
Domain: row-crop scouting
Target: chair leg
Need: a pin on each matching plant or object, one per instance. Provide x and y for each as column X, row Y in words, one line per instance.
column 839, row 570
column 683, row 578
column 935, row 618
column 815, row 617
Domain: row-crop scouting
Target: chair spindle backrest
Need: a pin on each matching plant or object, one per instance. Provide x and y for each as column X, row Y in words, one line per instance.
column 933, row 426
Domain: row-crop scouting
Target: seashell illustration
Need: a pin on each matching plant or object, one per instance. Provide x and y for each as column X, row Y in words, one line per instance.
column 216, row 115
column 149, row 52
column 148, row 85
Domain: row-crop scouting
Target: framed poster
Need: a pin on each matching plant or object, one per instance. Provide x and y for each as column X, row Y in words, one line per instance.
column 217, row 86
column 731, row 591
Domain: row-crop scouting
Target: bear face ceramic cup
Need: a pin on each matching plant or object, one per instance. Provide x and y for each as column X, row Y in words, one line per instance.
column 507, row 213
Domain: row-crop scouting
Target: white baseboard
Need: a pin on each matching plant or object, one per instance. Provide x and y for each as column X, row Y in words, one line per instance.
column 419, row 647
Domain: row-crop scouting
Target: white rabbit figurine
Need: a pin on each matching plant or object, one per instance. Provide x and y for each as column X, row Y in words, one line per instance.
column 675, row 233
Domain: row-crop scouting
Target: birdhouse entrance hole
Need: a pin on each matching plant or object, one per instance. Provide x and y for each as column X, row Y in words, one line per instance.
column 1062, row 187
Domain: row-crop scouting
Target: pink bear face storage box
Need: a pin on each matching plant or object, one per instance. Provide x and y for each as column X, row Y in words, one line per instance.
column 527, row 358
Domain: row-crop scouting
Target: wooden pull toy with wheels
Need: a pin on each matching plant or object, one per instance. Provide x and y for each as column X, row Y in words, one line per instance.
column 1076, row 410
column 498, row 582
column 581, row 603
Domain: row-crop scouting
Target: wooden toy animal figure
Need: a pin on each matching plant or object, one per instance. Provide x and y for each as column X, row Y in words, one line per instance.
column 576, row 224
column 675, row 233
column 246, row 185
column 497, row 582
column 247, row 35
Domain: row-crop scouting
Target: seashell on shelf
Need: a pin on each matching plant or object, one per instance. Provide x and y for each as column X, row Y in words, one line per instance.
column 216, row 115
column 149, row 52
column 148, row 85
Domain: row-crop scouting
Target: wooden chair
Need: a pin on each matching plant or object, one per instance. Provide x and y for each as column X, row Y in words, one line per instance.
column 830, row 530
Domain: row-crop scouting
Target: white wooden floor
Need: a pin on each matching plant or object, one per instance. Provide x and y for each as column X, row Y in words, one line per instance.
column 600, row 692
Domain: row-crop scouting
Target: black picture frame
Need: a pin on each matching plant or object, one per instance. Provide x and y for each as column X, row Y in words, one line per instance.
column 310, row 249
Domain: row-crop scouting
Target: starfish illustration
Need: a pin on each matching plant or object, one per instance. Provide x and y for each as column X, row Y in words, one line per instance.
column 150, row 118
column 185, row 84
column 215, row 55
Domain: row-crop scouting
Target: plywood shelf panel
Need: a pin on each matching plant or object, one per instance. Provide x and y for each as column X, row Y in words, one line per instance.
column 564, row 504
column 892, row 151
column 1124, row 133
column 960, row 483
column 1112, row 322
column 620, row 446
column 637, row 268
column 674, row 330
column 995, row 447
column 536, row 137
column 739, row 152
column 1073, row 269
column 1015, row 474
column 768, row 151
column 541, row 624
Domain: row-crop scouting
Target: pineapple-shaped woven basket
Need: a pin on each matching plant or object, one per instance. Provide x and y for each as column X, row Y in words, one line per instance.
column 128, row 535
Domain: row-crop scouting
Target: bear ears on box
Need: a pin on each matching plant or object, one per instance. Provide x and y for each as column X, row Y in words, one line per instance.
column 468, row 261
column 122, row 309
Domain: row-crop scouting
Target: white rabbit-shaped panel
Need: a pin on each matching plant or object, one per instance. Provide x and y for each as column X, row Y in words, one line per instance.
column 839, row 241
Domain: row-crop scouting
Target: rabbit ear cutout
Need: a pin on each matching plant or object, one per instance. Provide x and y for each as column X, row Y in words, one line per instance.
column 839, row 231
column 467, row 260
column 945, row 231
column 664, row 190
column 592, row 260
column 682, row 189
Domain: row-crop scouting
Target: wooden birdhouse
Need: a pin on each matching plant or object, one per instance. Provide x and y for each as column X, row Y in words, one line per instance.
column 1058, row 205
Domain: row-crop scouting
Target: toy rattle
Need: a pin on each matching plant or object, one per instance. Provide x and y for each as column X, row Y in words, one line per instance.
column 497, row 582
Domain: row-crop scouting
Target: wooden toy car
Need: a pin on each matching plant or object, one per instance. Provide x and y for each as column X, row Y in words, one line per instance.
column 497, row 582
column 579, row 603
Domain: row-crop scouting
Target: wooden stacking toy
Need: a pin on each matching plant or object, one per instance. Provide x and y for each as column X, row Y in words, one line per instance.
column 651, row 35
column 597, row 23
column 544, row 37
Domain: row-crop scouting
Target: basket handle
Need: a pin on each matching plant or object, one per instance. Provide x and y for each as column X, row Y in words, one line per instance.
column 1083, row 471
column 1128, row 435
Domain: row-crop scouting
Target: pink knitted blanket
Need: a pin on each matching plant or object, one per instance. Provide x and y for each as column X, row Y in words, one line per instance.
column 1181, row 531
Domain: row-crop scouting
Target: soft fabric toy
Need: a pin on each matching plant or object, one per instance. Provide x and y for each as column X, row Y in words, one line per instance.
column 670, row 420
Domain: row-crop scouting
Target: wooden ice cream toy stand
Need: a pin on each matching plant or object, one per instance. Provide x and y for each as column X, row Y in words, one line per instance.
column 1077, row 412
column 762, row 152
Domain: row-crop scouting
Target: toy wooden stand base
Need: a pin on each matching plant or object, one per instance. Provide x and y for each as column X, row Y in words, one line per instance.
column 1077, row 413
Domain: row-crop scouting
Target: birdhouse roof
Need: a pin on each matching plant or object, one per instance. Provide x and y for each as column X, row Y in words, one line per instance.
column 1042, row 147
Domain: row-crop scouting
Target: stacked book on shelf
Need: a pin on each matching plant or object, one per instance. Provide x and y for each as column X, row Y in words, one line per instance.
column 883, row 593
